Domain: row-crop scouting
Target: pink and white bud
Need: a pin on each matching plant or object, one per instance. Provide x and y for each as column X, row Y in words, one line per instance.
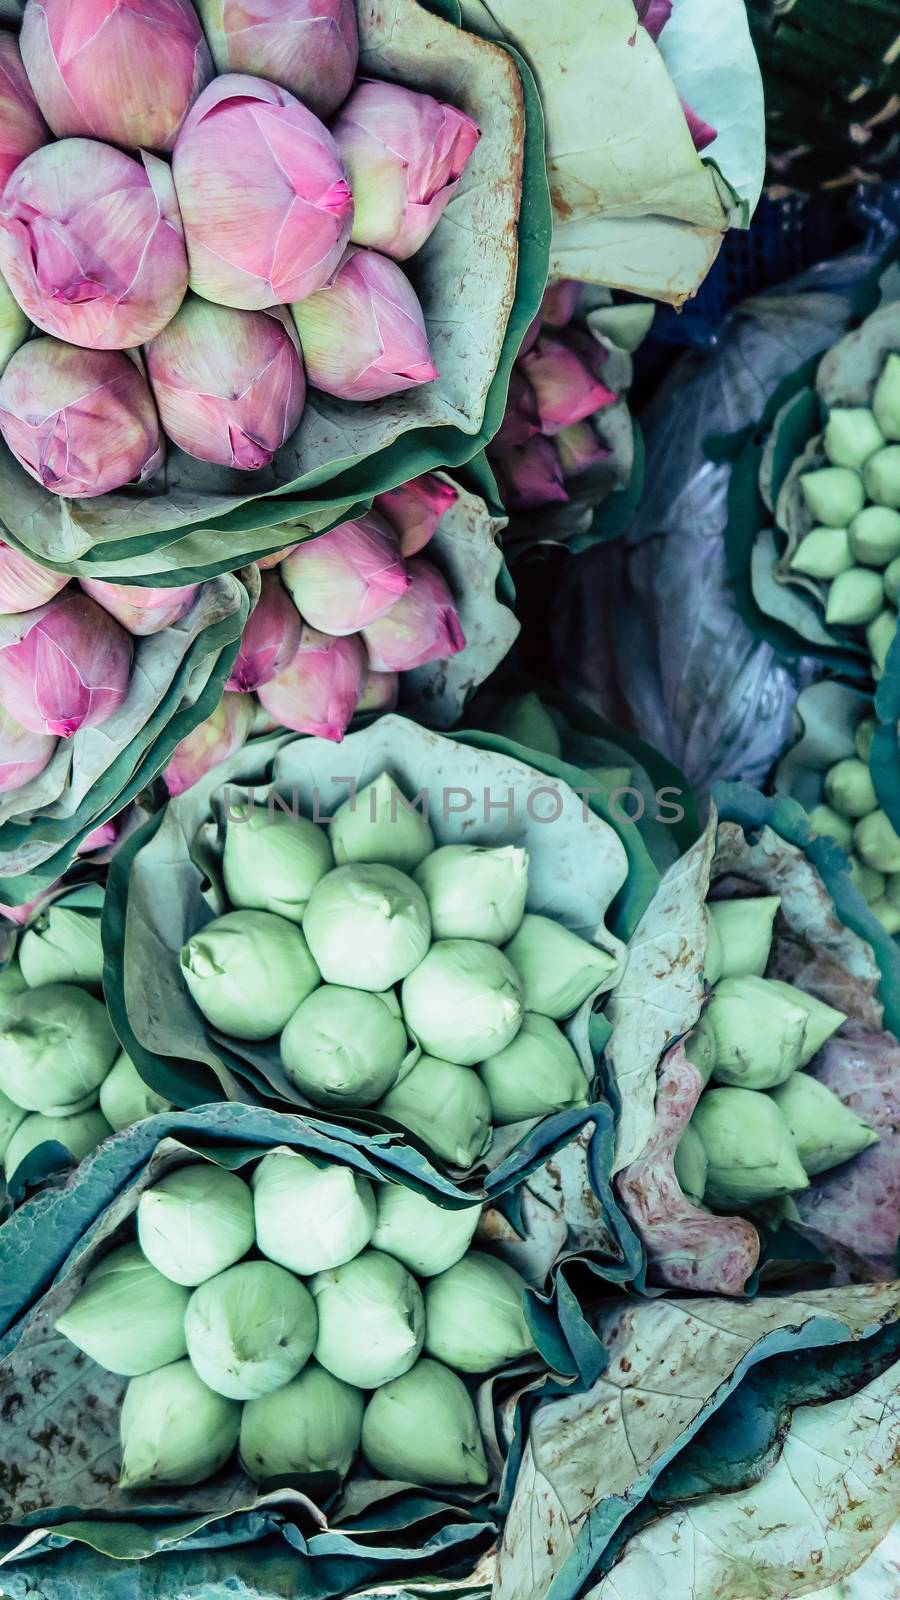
column 269, row 641
column 364, row 336
column 229, row 384
column 125, row 71
column 22, row 128
column 23, row 914
column 579, row 449
column 63, row 667
column 530, row 476
column 521, row 419
column 91, row 244
column 653, row 15
column 405, row 153
column 310, row 47
column 81, row 422
column 25, row 584
column 349, row 577
column 421, row 627
column 265, row 563
column 319, row 692
column 23, row 753
column 104, row 836
column 561, row 300
column 141, row 611
column 565, row 387
column 415, row 509
column 381, row 692
column 211, row 742
column 264, row 196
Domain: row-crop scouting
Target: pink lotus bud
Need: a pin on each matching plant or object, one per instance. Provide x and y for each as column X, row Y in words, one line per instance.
column 102, row 837
column 653, row 15
column 308, row 46
column 22, row 128
column 421, row 627
column 63, row 667
column 141, row 611
column 23, row 753
column 364, row 336
column 210, row 743
column 269, row 641
column 264, row 196
column 319, row 692
column 229, row 384
column 521, row 420
column 24, row 584
column 565, row 387
column 125, row 71
column 414, row 510
column 579, row 449
column 81, row 422
column 23, row 914
column 91, row 244
column 561, row 301
column 530, row 476
column 405, row 154
column 702, row 133
column 349, row 577
column 380, row 692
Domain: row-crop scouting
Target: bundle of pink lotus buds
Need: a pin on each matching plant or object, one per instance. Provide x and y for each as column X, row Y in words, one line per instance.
column 339, row 618
column 66, row 655
column 190, row 251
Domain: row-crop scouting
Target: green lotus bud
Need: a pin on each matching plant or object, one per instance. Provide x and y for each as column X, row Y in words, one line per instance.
column 714, row 958
column 63, row 947
column 862, row 738
column 475, row 1314
column 700, row 1048
column 248, row 972
column 749, row 1149
column 250, row 1329
column 56, row 1047
column 745, row 933
column 367, row 926
column 825, row 1131
column 868, row 880
column 759, row 1032
column 880, row 636
column 272, row 862
column 833, row 494
column 823, row 553
column 371, row 1320
column 525, row 720
column 535, row 1075
column 422, row 1428
column 379, row 824
column 558, row 970
column 824, row 820
column 313, row 1424
column 854, row 598
column 343, row 1047
column 128, row 1317
column 474, row 892
column 445, row 1106
column 691, row 1162
column 821, row 1020
column 877, row 843
column 11, row 1116
column 12, row 983
column 125, row 1098
column 886, row 399
column 851, row 436
column 463, row 1003
column 888, row 914
column 196, row 1222
column 79, row 1134
column 875, row 536
column 881, row 476
column 427, row 1238
column 174, row 1430
column 310, row 1218
column 849, row 788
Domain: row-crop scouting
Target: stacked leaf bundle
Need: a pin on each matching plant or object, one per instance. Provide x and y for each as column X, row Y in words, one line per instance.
column 64, row 1081
column 298, row 1295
